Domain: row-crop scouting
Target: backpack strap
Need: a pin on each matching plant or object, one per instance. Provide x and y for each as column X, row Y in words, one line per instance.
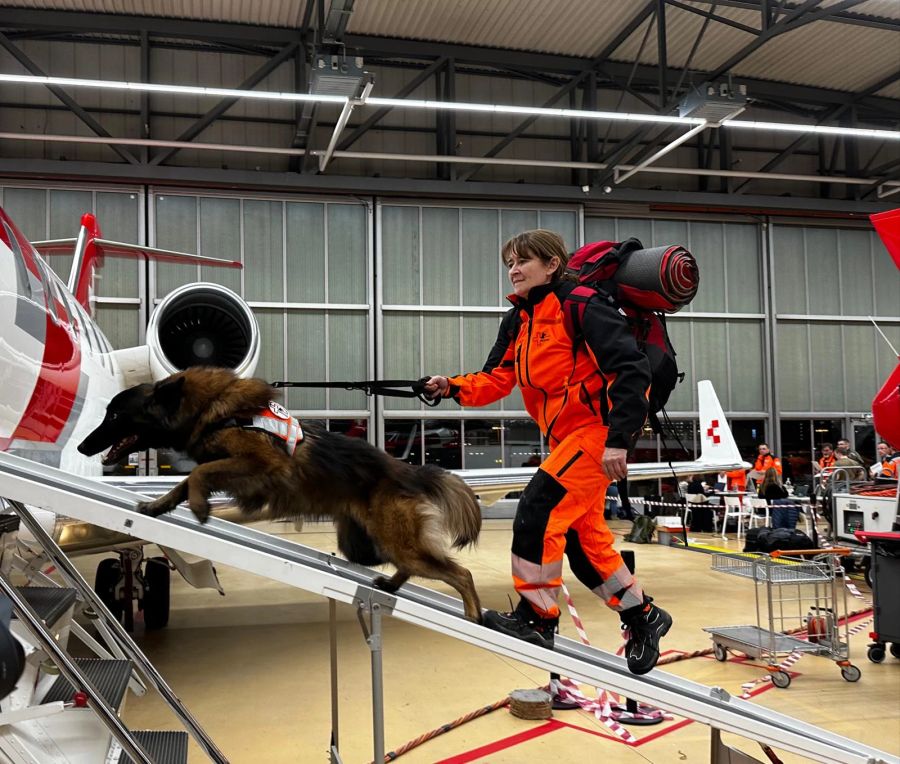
column 574, row 305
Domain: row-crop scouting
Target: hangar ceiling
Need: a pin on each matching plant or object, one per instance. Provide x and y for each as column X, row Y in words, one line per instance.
column 819, row 63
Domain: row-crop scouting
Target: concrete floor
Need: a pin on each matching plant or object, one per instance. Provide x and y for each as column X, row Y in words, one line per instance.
column 253, row 667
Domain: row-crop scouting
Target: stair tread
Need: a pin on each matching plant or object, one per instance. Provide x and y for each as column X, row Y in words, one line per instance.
column 164, row 747
column 110, row 677
column 49, row 602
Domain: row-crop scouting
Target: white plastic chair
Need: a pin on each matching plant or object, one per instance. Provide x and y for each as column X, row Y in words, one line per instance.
column 734, row 508
column 759, row 510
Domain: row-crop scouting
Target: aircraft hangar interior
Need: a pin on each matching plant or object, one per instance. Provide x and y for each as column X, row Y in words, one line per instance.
column 468, row 242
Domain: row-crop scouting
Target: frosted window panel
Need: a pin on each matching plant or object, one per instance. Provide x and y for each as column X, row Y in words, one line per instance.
column 564, row 223
column 400, row 255
column 220, row 236
column 856, row 273
column 28, row 209
column 263, row 267
column 402, row 355
column 742, row 263
column 440, row 256
column 66, row 209
column 480, row 253
column 348, row 358
column 305, row 252
column 710, row 361
column 440, row 348
column 479, row 334
column 600, row 229
column 860, row 367
column 823, row 271
column 629, row 228
column 120, row 324
column 176, row 229
column 118, row 217
column 684, row 396
column 745, row 338
column 708, row 247
column 827, row 367
column 887, row 359
column 271, row 365
column 347, row 253
column 513, row 222
column 306, row 359
column 790, row 270
column 792, row 367
column 887, row 280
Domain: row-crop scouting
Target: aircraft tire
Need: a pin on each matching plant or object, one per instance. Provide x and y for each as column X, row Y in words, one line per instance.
column 109, row 572
column 156, row 593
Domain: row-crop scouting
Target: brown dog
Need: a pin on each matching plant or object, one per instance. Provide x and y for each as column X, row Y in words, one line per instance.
column 384, row 510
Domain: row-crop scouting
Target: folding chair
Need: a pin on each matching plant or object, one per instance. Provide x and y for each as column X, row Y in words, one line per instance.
column 759, row 510
column 734, row 508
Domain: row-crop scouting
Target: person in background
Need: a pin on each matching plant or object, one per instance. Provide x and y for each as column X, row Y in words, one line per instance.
column 883, row 451
column 844, row 450
column 737, row 480
column 784, row 511
column 590, row 416
column 764, row 460
column 721, row 482
column 828, row 458
column 626, row 511
column 890, row 463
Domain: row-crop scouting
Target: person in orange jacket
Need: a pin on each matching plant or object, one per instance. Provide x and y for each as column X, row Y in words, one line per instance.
column 589, row 397
column 764, row 460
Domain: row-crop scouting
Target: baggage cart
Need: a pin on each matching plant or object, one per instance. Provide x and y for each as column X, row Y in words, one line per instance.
column 803, row 592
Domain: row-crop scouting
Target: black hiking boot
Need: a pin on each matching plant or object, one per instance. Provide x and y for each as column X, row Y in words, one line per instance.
column 523, row 623
column 646, row 627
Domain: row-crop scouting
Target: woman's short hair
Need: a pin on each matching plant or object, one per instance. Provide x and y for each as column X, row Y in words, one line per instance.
column 539, row 243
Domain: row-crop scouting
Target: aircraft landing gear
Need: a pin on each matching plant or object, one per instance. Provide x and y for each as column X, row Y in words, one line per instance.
column 130, row 578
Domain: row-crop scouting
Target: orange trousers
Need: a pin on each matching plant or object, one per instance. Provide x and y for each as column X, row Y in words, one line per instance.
column 561, row 512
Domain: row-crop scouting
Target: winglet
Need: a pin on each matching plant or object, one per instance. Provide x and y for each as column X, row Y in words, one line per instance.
column 716, row 441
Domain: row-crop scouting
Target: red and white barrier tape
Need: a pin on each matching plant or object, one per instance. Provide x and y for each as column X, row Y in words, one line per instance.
column 789, row 661
column 606, row 708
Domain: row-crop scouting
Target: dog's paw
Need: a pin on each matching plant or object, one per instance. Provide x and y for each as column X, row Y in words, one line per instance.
column 152, row 508
column 384, row 584
column 201, row 512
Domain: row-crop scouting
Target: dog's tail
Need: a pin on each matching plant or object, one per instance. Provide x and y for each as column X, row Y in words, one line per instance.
column 461, row 511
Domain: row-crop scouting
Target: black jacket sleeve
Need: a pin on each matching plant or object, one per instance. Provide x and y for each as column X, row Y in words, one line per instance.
column 623, row 365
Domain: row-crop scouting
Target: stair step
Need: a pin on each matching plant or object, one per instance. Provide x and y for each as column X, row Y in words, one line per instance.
column 163, row 747
column 49, row 602
column 110, row 677
column 8, row 523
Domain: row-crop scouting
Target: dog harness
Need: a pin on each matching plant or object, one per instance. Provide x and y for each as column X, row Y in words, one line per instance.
column 276, row 421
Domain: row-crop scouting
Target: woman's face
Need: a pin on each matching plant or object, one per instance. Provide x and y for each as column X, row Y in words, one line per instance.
column 527, row 271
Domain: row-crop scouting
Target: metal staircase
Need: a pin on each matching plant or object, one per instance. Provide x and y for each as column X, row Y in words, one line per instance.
column 78, row 700
column 24, row 482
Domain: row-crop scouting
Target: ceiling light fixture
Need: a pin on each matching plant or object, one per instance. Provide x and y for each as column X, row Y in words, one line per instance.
column 857, row 132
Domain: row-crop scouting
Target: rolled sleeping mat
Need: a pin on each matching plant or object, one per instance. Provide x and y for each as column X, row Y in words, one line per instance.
column 660, row 278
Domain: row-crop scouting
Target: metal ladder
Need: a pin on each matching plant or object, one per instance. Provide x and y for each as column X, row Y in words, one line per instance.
column 120, row 642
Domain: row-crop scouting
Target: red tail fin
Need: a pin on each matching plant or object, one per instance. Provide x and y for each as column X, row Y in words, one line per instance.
column 887, row 224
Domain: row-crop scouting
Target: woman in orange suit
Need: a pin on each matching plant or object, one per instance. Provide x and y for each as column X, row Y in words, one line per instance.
column 589, row 397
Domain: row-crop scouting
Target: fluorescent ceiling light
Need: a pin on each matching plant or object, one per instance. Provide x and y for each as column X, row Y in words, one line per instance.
column 146, row 87
column 411, row 103
column 858, row 132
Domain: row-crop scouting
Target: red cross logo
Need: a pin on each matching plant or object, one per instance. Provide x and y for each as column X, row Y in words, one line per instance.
column 711, row 431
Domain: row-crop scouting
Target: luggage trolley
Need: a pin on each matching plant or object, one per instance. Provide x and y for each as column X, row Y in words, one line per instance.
column 800, row 594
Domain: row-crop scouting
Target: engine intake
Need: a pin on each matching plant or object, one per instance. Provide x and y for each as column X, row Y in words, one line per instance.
column 202, row 325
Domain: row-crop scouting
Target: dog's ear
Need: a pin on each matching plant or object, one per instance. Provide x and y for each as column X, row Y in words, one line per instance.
column 167, row 394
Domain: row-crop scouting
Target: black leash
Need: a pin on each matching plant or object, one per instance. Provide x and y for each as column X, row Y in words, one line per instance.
column 390, row 387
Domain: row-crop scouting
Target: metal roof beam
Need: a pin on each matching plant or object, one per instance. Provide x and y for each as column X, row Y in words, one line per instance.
column 63, row 96
column 844, row 17
column 408, row 88
column 600, row 58
column 710, row 14
column 226, row 103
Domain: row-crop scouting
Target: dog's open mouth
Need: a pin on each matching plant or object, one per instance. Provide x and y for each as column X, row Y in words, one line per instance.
column 120, row 449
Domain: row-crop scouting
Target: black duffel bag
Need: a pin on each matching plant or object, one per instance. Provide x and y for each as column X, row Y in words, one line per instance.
column 777, row 539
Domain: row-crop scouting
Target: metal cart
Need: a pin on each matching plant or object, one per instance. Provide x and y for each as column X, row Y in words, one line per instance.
column 800, row 594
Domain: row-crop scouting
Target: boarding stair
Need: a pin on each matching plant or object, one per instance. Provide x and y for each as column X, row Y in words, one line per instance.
column 65, row 709
column 25, row 483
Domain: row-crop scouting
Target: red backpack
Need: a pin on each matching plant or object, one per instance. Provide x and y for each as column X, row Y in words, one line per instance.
column 642, row 285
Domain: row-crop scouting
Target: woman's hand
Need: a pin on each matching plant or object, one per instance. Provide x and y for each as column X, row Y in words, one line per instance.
column 436, row 386
column 614, row 463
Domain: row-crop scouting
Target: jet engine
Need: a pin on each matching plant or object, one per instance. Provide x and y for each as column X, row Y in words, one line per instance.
column 202, row 325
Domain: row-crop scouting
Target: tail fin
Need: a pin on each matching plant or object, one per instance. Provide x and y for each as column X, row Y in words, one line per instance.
column 717, row 442
column 461, row 511
column 888, row 226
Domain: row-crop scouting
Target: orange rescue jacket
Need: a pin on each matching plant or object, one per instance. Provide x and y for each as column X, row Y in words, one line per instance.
column 603, row 377
column 764, row 462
